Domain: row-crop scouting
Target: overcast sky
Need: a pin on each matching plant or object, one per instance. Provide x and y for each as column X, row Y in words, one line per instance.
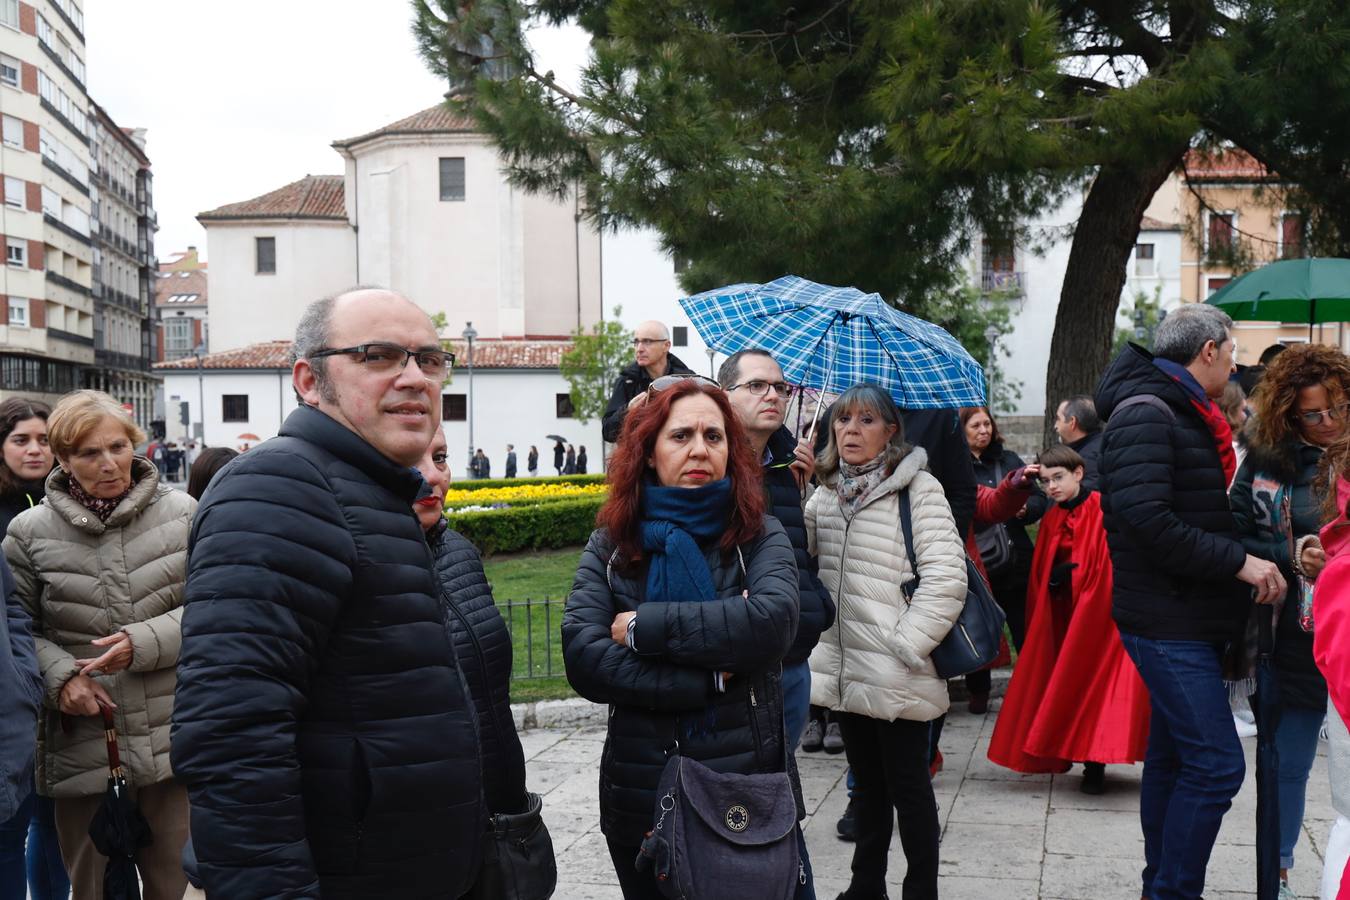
column 242, row 97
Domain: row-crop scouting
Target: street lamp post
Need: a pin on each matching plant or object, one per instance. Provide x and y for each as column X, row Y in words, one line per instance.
column 200, row 349
column 991, row 335
column 470, row 334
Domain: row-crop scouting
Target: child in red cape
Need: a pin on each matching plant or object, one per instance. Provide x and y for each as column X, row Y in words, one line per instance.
column 1074, row 696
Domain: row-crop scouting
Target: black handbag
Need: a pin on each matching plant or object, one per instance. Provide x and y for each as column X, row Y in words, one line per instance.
column 995, row 541
column 518, row 861
column 722, row 836
column 974, row 640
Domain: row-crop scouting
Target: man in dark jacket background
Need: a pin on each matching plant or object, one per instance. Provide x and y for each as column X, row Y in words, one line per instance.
column 652, row 359
column 320, row 723
column 1183, row 581
column 1079, row 426
column 20, row 702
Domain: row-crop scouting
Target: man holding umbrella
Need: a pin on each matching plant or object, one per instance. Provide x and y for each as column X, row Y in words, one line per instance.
column 1182, row 580
column 652, row 359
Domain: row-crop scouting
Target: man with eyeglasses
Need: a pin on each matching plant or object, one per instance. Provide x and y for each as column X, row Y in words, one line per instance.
column 320, row 721
column 754, row 385
column 652, row 360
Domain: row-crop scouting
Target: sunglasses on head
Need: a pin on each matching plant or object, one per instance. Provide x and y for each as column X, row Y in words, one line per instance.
column 665, row 382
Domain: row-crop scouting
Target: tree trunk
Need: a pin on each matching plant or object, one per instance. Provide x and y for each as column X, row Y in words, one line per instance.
column 1085, row 324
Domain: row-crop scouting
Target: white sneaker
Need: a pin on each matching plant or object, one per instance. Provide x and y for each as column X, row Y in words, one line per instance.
column 1244, row 728
column 1286, row 892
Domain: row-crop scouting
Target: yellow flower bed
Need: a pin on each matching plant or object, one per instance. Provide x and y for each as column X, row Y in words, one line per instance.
column 525, row 492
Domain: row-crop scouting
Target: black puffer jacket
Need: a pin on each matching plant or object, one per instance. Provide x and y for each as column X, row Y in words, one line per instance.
column 814, row 602
column 25, row 496
column 1090, row 448
column 483, row 647
column 321, row 724
column 1253, row 497
column 990, row 468
column 666, row 694
column 1174, row 544
column 633, row 380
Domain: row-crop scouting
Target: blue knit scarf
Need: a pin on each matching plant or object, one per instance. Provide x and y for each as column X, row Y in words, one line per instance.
column 674, row 520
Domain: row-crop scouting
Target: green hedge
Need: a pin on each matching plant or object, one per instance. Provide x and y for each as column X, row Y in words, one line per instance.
column 473, row 484
column 559, row 524
column 522, row 501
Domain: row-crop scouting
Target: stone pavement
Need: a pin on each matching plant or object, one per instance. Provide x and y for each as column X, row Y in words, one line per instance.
column 1004, row 836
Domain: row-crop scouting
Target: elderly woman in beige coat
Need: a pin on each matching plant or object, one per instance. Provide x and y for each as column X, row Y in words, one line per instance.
column 100, row 565
column 872, row 667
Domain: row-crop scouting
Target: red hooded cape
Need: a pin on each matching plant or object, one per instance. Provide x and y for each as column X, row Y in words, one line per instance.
column 1081, row 700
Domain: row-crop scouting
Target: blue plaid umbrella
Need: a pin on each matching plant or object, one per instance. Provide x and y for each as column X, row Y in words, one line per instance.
column 831, row 338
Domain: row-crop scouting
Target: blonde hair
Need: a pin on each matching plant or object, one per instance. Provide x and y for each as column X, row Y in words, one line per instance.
column 79, row 413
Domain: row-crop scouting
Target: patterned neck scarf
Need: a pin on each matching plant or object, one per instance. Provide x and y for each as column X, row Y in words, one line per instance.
column 96, row 505
column 857, row 482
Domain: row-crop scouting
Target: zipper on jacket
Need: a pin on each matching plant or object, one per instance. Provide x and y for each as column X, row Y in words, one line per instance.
column 839, row 609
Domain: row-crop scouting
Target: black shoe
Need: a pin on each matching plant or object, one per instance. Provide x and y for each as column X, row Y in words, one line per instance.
column 833, row 742
column 848, row 825
column 1094, row 778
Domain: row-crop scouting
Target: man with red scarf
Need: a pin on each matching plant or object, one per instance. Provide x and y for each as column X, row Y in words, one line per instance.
column 1074, row 696
column 1183, row 583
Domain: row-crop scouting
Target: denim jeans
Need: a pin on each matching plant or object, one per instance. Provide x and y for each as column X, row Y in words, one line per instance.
column 1193, row 766
column 796, row 704
column 41, row 868
column 1296, row 739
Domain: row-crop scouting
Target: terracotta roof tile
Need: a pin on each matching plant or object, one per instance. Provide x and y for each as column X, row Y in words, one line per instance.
column 487, row 354
column 438, row 119
column 1148, row 223
column 1225, row 165
column 312, row 197
column 179, row 289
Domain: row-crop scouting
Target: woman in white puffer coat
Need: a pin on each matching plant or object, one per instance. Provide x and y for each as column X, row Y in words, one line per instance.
column 872, row 666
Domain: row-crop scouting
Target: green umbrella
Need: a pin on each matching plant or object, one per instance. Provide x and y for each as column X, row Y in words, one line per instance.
column 1292, row 290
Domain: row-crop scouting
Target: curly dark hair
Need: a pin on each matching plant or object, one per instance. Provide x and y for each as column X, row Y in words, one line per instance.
column 1275, row 402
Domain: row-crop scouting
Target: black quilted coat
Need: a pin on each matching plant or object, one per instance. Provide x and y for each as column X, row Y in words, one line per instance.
column 665, row 695
column 483, row 647
column 321, row 724
column 1174, row 543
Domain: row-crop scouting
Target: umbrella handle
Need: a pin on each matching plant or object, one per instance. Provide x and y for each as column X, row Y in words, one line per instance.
column 110, row 737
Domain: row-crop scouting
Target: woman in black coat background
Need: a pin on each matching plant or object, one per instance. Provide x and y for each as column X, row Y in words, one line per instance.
column 992, row 460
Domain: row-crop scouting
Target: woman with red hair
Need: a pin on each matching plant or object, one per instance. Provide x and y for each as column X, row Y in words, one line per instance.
column 683, row 605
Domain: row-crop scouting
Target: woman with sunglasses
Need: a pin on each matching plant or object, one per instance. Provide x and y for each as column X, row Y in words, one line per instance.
column 684, row 603
column 1299, row 410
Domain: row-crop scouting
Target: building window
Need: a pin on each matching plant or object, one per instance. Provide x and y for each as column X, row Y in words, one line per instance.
column 13, row 130
column 267, row 255
column 9, row 13
column 1219, row 234
column 14, row 192
column 1292, row 236
column 234, row 407
column 1214, row 284
column 563, row 402
column 16, row 252
column 998, row 262
column 1144, row 264
column 454, row 408
column 452, row 178
column 18, row 312
column 177, row 336
column 9, row 70
column 679, row 336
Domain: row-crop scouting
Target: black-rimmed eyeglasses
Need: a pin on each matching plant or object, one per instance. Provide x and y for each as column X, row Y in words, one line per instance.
column 381, row 357
column 759, row 388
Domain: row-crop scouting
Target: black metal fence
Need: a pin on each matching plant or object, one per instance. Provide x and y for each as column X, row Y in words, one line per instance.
column 536, row 637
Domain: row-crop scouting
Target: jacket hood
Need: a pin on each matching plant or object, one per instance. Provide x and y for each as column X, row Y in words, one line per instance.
column 144, row 489
column 913, row 462
column 1131, row 373
column 1284, row 462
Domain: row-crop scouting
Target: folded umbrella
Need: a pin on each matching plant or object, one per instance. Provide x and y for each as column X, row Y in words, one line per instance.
column 1266, row 707
column 831, row 338
column 118, row 829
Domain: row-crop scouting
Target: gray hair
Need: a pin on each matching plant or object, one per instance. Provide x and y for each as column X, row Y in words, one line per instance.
column 875, row 400
column 1185, row 331
column 311, row 336
column 1082, row 408
column 730, row 371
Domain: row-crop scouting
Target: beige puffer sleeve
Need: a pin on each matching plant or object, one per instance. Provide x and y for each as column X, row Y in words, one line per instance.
column 57, row 666
column 809, row 520
column 156, row 642
column 942, row 573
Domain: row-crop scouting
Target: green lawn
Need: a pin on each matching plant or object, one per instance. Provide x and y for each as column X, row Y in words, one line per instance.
column 530, row 589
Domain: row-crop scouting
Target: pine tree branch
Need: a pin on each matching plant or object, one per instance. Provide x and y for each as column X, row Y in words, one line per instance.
column 765, row 35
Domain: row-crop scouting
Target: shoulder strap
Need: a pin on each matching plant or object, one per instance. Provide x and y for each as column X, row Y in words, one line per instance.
column 1150, row 399
column 907, row 531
